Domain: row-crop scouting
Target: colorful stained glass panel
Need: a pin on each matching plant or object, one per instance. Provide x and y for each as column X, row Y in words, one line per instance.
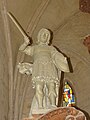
column 68, row 96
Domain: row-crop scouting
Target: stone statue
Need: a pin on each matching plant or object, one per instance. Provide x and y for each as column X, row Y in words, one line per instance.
column 47, row 62
column 45, row 69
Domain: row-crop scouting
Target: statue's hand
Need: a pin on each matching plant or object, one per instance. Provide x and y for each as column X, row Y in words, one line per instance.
column 26, row 39
column 25, row 44
column 25, row 68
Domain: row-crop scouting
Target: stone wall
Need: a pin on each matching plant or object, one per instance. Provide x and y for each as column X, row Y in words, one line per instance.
column 4, row 77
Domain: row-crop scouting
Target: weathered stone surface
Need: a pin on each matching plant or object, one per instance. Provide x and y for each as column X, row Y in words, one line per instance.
column 86, row 42
column 84, row 6
column 4, row 75
column 64, row 113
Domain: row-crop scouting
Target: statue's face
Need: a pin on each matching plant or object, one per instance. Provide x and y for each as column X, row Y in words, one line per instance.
column 44, row 36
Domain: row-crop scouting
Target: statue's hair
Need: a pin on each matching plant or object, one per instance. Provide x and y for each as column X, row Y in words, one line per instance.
column 46, row 31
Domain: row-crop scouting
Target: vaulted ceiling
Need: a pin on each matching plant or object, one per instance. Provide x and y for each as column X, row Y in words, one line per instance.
column 69, row 25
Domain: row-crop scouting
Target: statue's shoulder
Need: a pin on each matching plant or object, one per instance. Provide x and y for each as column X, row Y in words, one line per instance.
column 52, row 48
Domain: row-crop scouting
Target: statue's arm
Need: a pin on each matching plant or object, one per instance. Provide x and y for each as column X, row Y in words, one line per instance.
column 26, row 47
column 60, row 60
column 25, row 44
column 28, row 50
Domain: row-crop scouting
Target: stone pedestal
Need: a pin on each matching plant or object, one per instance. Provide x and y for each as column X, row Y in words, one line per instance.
column 61, row 113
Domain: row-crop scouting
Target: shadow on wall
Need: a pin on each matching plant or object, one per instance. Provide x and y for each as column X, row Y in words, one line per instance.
column 86, row 114
column 60, row 90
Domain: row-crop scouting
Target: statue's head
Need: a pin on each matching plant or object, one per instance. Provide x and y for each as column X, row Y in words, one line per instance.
column 44, row 36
